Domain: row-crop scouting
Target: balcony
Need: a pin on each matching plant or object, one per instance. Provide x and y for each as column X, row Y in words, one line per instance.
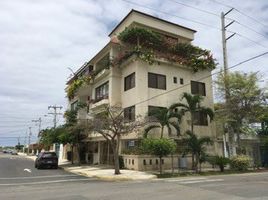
column 99, row 105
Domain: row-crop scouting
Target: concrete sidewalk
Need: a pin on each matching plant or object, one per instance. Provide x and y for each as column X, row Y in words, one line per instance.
column 100, row 172
column 104, row 173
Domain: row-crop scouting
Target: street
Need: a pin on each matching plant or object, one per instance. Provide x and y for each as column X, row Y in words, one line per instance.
column 20, row 180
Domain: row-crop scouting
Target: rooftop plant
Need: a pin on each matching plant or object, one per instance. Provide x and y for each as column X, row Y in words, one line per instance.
column 76, row 84
column 148, row 45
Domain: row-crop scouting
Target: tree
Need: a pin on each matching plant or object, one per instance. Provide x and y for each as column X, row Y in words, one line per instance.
column 193, row 105
column 49, row 136
column 112, row 125
column 74, row 132
column 245, row 101
column 159, row 147
column 196, row 146
column 163, row 117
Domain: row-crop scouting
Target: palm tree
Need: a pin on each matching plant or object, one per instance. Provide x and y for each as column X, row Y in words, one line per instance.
column 196, row 146
column 161, row 118
column 193, row 105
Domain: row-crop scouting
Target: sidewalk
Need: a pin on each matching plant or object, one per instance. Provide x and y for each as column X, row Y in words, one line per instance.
column 100, row 172
column 104, row 173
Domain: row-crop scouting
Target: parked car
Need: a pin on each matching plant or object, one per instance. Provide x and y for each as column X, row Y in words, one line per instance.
column 14, row 153
column 46, row 159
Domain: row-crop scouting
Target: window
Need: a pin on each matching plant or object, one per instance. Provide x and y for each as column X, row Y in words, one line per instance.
column 157, row 81
column 181, row 81
column 129, row 81
column 102, row 92
column 74, row 105
column 198, row 88
column 200, row 119
column 153, row 109
column 175, row 80
column 129, row 113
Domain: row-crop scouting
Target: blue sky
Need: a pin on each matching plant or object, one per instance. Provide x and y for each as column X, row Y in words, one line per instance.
column 41, row 39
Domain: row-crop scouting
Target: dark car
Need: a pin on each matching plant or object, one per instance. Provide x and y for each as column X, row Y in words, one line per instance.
column 46, row 159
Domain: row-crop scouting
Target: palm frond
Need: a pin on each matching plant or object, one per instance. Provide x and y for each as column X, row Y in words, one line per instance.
column 207, row 111
column 148, row 128
column 177, row 127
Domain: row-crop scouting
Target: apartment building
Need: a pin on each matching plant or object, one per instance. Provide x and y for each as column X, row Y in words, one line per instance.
column 138, row 86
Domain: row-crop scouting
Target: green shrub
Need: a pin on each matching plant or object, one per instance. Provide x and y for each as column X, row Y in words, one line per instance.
column 240, row 163
column 219, row 161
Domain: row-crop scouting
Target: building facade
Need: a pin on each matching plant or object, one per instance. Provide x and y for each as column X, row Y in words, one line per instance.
column 137, row 86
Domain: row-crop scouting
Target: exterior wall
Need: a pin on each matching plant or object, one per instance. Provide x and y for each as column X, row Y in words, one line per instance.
column 155, row 24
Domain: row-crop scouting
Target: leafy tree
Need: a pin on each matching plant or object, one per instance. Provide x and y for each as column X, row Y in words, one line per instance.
column 159, row 147
column 196, row 146
column 245, row 100
column 112, row 125
column 74, row 132
column 49, row 137
column 163, row 117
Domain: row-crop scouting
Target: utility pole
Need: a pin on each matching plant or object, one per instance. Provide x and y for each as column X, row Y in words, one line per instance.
column 39, row 121
column 226, row 83
column 25, row 142
column 29, row 140
column 55, row 113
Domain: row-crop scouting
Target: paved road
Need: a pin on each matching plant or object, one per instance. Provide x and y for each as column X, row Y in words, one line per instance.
column 16, row 183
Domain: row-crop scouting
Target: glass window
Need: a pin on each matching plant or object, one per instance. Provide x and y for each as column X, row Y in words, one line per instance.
column 129, row 81
column 175, row 80
column 129, row 113
column 153, row 109
column 157, row 81
column 181, row 81
column 200, row 119
column 102, row 92
column 74, row 105
column 198, row 88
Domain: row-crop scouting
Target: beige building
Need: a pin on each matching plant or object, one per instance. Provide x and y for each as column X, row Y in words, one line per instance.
column 137, row 86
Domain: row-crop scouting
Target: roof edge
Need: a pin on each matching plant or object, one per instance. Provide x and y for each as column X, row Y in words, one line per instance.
column 151, row 16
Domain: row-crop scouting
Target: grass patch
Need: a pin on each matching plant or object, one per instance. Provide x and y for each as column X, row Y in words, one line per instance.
column 207, row 173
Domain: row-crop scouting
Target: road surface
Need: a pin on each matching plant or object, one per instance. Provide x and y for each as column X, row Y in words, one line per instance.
column 20, row 180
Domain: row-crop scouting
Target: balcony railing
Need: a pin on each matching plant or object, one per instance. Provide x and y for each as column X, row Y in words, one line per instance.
column 99, row 104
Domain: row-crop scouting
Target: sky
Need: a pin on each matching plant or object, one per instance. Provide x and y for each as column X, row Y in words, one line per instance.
column 41, row 39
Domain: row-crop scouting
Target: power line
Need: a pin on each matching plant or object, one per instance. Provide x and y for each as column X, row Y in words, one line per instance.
column 167, row 13
column 205, row 77
column 194, row 21
column 242, row 13
column 195, row 8
column 251, row 29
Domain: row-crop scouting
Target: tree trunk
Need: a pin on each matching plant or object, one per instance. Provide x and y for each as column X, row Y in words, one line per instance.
column 221, row 168
column 192, row 122
column 72, row 150
column 115, row 149
column 162, row 131
column 78, row 154
column 192, row 161
column 160, row 165
column 196, row 163
column 172, row 163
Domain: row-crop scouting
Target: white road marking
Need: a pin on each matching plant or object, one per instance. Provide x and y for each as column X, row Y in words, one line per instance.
column 36, row 177
column 44, row 182
column 27, row 170
column 202, row 181
column 185, row 179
